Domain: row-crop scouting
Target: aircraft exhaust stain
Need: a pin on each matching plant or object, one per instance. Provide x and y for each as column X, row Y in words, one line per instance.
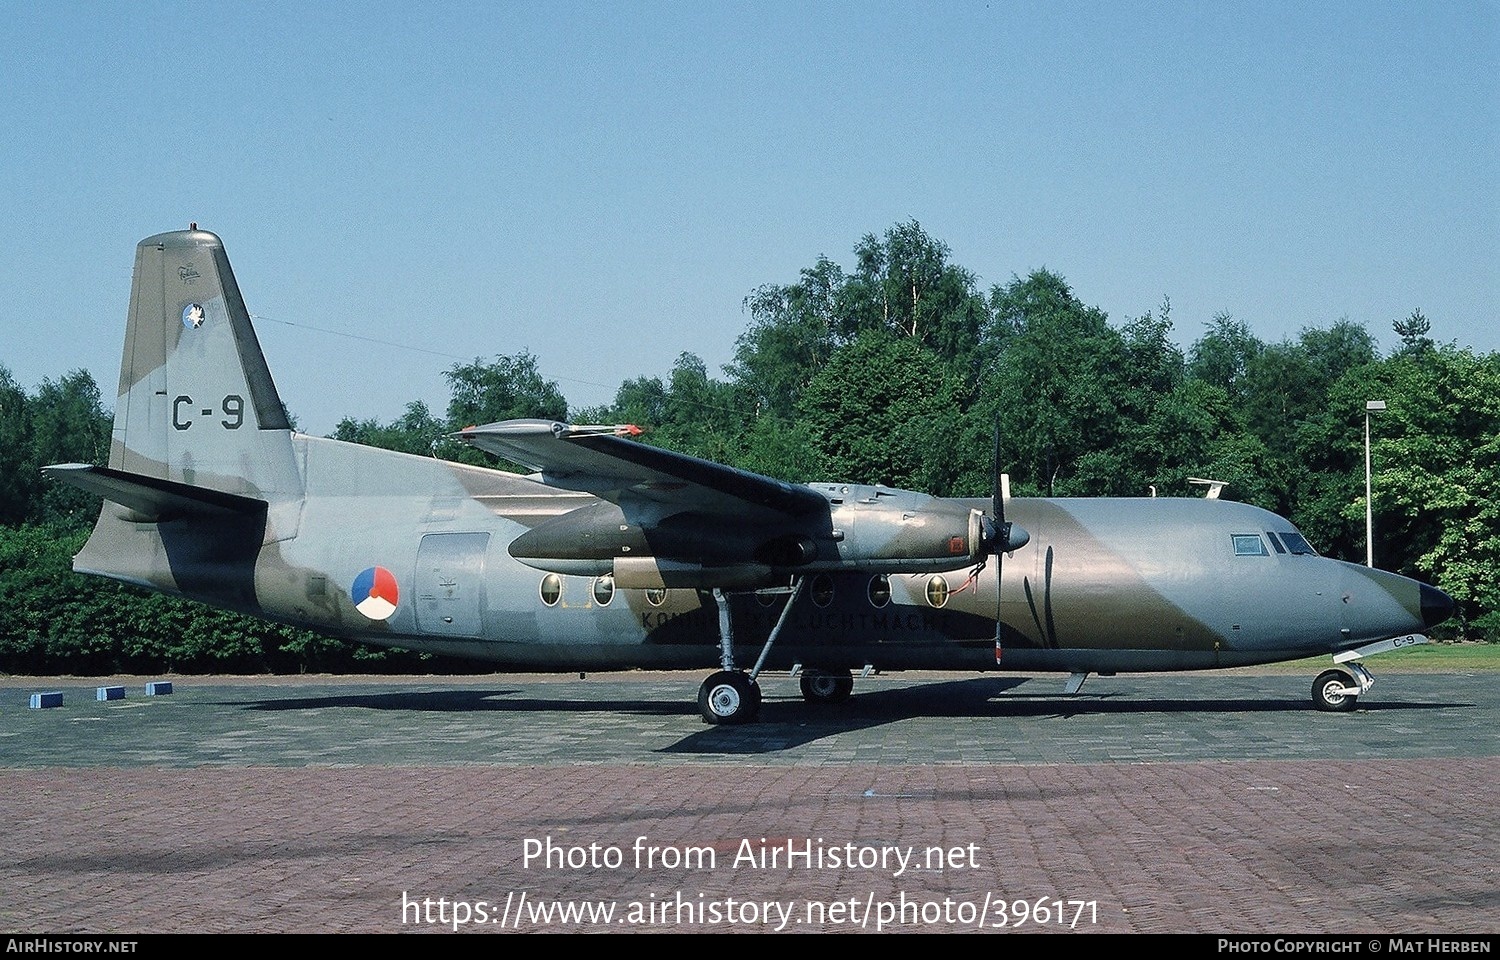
column 1048, row 634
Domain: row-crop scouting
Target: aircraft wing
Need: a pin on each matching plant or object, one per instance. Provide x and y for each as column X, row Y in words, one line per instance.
column 595, row 460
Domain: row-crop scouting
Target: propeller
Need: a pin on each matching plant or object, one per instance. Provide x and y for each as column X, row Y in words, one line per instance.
column 1003, row 535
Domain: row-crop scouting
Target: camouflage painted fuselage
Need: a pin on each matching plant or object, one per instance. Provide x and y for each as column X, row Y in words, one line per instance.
column 211, row 495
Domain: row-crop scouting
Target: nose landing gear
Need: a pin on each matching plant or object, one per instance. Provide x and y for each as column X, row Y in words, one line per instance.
column 1337, row 690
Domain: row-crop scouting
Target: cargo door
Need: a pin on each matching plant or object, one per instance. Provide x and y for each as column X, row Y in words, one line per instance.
column 450, row 584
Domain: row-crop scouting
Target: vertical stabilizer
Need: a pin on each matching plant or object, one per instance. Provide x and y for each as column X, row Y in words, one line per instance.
column 196, row 402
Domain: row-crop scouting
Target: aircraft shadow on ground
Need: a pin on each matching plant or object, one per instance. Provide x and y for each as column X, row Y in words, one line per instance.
column 468, row 701
column 786, row 721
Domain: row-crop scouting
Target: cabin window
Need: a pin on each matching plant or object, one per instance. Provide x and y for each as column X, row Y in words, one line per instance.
column 879, row 590
column 656, row 596
column 822, row 590
column 604, row 590
column 1248, row 545
column 551, row 589
column 937, row 591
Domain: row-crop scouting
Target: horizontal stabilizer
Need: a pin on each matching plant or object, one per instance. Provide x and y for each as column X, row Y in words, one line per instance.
column 153, row 498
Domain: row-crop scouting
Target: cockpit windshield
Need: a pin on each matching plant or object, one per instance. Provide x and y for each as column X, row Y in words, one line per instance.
column 1297, row 544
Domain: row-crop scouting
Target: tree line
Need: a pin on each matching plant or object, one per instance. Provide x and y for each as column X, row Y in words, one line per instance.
column 898, row 370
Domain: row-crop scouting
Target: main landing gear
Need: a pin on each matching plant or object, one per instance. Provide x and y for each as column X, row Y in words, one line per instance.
column 732, row 696
column 729, row 696
column 826, row 686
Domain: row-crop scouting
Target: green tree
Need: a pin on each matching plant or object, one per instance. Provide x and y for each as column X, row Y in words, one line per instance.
column 690, row 412
column 780, row 449
column 1054, row 387
column 509, row 388
column 1319, row 444
column 700, row 415
column 882, row 411
column 1437, row 477
column 793, row 331
column 68, row 425
column 1413, row 333
column 905, row 284
column 19, row 477
column 1223, row 356
column 415, row 431
column 1150, row 379
column 1337, row 350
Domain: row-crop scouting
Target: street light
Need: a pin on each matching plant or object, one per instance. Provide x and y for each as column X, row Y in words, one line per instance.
column 1371, row 406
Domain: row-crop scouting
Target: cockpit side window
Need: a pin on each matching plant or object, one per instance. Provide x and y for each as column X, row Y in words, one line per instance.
column 1248, row 545
column 1275, row 543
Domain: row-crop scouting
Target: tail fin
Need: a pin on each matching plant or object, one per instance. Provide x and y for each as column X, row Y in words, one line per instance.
column 196, row 402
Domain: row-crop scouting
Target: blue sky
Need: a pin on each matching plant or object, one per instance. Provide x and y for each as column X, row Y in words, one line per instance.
column 603, row 183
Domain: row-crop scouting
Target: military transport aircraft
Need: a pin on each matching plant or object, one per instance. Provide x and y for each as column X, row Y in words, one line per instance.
column 617, row 554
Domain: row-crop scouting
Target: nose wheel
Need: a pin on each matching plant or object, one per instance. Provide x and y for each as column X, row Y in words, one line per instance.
column 1336, row 690
column 1328, row 691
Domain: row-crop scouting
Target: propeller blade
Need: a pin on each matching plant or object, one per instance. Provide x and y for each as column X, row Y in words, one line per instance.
column 1002, row 535
column 1005, row 536
column 997, row 504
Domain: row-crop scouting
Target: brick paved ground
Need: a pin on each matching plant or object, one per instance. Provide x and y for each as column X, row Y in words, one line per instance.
column 1169, row 812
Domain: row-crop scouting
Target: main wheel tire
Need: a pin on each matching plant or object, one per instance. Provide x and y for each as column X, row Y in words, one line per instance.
column 1327, row 691
column 729, row 697
column 823, row 686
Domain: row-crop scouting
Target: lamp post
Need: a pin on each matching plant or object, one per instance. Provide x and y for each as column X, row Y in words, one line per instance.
column 1371, row 406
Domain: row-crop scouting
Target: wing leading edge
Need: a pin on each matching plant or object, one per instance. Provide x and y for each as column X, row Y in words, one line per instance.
column 595, row 460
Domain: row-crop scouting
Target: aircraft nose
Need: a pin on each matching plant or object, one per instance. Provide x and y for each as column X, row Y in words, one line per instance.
column 1437, row 606
column 1378, row 604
